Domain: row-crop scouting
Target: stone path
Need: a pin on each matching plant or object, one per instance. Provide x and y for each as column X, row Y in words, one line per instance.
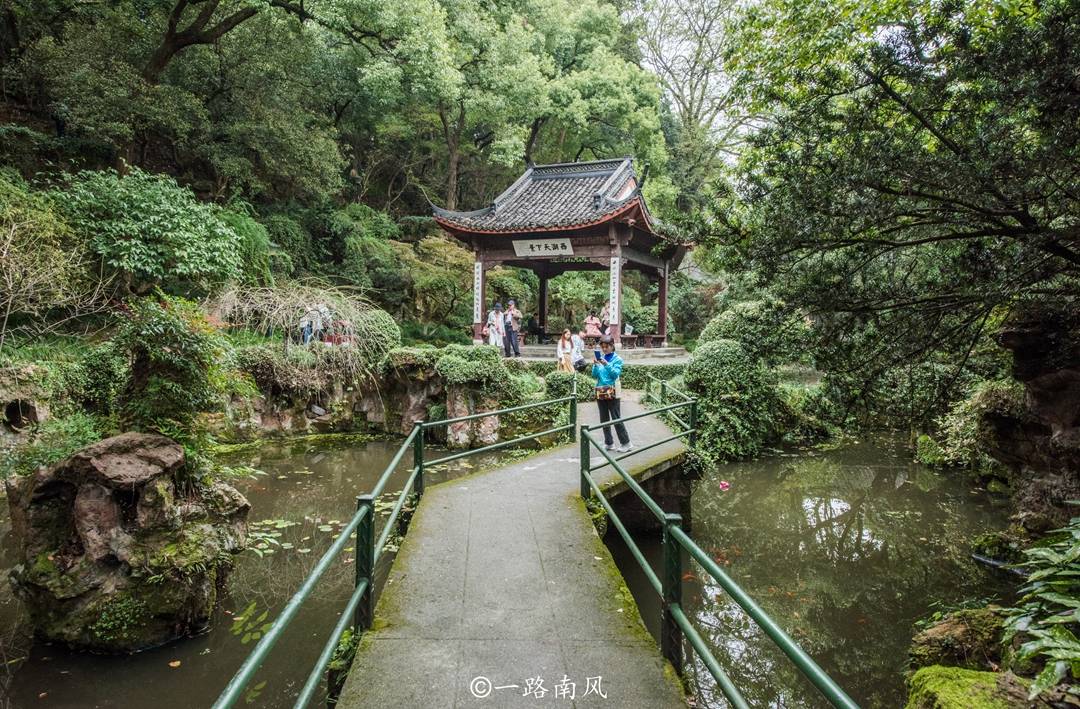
column 502, row 576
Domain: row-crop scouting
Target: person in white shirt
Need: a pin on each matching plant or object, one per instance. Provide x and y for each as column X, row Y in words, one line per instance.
column 577, row 351
column 495, row 326
column 564, row 350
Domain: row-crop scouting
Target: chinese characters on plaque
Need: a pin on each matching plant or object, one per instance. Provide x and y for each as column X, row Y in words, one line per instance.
column 543, row 248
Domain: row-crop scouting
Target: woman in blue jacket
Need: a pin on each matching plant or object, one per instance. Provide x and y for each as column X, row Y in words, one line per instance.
column 606, row 370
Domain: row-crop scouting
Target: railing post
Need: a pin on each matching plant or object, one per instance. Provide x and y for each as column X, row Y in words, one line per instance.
column 648, row 388
column 663, row 393
column 586, row 488
column 671, row 638
column 693, row 423
column 573, row 413
column 365, row 562
column 418, row 459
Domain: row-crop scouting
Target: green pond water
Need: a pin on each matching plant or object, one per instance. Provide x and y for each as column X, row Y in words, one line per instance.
column 844, row 548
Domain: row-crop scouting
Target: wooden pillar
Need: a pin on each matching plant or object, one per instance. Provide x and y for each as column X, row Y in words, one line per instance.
column 615, row 292
column 479, row 298
column 661, row 305
column 543, row 297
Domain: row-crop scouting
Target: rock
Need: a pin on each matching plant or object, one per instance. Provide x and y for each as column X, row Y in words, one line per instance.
column 113, row 557
column 965, row 638
column 1040, row 439
column 316, row 411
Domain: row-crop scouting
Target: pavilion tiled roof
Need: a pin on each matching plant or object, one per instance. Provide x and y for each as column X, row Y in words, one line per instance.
column 555, row 196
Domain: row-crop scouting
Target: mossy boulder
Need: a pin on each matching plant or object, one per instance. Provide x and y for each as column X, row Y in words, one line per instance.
column 115, row 556
column 937, row 687
column 966, row 638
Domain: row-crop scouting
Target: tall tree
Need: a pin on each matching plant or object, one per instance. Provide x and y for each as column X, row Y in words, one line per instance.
column 917, row 178
column 687, row 43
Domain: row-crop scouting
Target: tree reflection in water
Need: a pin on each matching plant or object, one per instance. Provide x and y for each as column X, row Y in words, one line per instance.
column 845, row 550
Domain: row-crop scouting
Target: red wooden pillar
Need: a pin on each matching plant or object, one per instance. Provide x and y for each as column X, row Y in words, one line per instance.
column 661, row 305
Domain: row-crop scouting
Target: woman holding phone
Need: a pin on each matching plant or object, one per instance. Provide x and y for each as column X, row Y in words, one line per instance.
column 606, row 370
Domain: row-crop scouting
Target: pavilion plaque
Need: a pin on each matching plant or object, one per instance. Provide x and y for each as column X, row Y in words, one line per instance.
column 543, row 248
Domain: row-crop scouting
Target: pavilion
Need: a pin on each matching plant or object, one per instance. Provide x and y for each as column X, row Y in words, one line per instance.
column 577, row 216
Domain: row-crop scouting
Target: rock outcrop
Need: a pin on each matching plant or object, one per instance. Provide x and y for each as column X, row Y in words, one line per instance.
column 115, row 557
column 1042, row 443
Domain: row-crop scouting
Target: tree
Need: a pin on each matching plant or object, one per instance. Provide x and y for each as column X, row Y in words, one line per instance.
column 687, row 44
column 917, row 177
column 148, row 231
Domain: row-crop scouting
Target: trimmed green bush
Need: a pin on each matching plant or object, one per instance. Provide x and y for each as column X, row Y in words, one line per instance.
column 737, row 399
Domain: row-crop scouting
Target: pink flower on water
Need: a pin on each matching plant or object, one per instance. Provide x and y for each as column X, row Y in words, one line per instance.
column 724, row 485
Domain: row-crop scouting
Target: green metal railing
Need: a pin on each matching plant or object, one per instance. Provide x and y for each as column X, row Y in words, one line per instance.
column 675, row 626
column 359, row 610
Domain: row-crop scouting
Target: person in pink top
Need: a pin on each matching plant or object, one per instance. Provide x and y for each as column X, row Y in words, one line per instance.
column 592, row 325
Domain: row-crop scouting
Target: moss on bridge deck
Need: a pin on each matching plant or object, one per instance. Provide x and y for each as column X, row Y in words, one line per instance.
column 502, row 576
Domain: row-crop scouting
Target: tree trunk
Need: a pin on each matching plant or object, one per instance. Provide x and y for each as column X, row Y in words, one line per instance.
column 452, row 133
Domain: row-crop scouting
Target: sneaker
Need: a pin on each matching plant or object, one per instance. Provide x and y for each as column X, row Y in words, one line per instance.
column 610, row 447
column 628, row 446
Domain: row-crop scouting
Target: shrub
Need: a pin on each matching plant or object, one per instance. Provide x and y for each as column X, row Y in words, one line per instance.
column 150, row 231
column 41, row 265
column 736, row 399
column 102, row 370
column 438, row 334
column 172, row 349
column 960, row 432
column 905, row 397
column 764, row 328
column 52, row 441
column 560, row 384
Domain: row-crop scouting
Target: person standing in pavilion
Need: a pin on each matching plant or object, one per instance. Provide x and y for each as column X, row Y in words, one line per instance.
column 512, row 326
column 496, row 328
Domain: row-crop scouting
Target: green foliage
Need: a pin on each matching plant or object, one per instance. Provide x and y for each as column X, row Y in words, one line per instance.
column 473, row 364
column 173, row 352
column 799, row 414
column 437, row 334
column 120, row 618
column 150, row 231
column 961, row 434
column 253, row 247
column 560, row 384
column 907, row 185
column 765, row 328
column 51, row 441
column 905, row 396
column 293, row 251
column 737, row 400
column 635, row 376
column 41, row 261
column 1047, row 616
column 101, row 373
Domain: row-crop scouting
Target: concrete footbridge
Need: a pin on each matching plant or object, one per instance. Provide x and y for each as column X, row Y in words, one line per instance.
column 502, row 593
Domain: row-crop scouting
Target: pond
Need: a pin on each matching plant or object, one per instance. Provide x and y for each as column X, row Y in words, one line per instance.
column 307, row 492
column 845, row 549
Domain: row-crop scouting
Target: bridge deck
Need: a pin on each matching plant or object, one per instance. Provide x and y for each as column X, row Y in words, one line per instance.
column 502, row 576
